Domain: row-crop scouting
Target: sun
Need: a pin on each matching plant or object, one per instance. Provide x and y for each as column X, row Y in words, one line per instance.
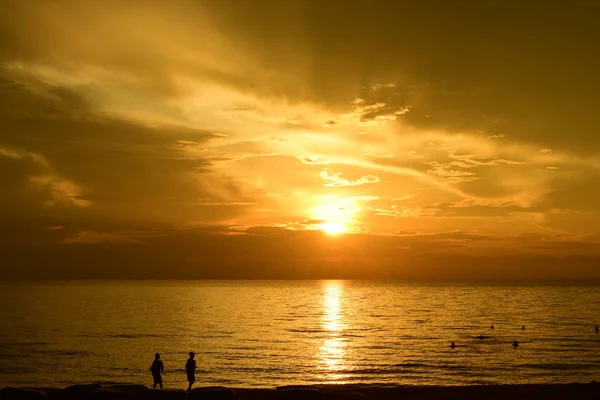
column 336, row 215
column 332, row 227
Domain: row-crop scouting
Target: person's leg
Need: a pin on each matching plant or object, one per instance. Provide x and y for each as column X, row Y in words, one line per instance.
column 191, row 380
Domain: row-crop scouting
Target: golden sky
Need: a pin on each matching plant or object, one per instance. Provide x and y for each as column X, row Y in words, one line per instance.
column 300, row 138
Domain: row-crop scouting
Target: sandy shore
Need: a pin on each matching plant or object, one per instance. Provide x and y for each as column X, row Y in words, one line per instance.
column 318, row 392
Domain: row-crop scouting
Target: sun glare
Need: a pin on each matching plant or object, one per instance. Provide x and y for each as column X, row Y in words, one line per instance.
column 336, row 213
column 332, row 227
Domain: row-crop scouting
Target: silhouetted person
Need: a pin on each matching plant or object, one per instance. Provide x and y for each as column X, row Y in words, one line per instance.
column 597, row 330
column 157, row 368
column 492, row 327
column 515, row 344
column 523, row 328
column 190, row 369
column 452, row 345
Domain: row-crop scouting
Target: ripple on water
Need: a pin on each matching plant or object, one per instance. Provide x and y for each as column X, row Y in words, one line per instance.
column 309, row 332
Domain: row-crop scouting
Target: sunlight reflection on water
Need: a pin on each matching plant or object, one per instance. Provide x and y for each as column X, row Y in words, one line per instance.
column 333, row 350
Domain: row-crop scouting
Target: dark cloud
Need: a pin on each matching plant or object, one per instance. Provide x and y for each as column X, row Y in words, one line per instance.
column 465, row 210
column 57, row 153
column 579, row 193
column 524, row 70
column 275, row 253
column 15, row 170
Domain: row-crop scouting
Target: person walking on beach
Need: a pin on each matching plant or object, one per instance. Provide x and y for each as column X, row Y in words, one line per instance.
column 157, row 368
column 190, row 369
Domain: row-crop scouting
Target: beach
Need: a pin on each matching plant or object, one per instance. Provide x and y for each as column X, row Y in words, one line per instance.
column 110, row 391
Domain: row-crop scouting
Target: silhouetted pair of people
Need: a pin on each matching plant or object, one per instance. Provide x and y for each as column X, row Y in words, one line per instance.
column 158, row 369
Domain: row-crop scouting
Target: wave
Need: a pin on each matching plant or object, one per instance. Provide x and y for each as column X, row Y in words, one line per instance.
column 215, row 335
column 65, row 353
column 247, row 348
column 559, row 366
column 256, row 369
column 4, row 356
column 15, row 370
column 4, row 345
column 124, row 336
column 566, row 349
column 411, row 365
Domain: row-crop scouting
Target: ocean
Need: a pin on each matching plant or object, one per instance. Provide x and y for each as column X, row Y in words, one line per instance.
column 272, row 333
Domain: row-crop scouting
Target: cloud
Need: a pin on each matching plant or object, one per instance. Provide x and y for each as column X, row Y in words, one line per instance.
column 473, row 159
column 30, row 182
column 333, row 179
column 164, row 132
column 276, row 252
column 377, row 113
column 10, row 154
column 314, row 160
column 61, row 191
column 73, row 155
column 449, row 174
column 404, row 212
column 89, row 237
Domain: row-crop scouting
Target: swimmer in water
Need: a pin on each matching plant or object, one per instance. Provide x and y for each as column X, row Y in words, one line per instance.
column 515, row 344
column 480, row 337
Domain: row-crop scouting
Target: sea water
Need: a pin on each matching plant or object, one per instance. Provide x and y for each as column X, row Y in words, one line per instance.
column 270, row 333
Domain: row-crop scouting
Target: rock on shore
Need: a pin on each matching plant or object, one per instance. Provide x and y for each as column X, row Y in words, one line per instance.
column 98, row 391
